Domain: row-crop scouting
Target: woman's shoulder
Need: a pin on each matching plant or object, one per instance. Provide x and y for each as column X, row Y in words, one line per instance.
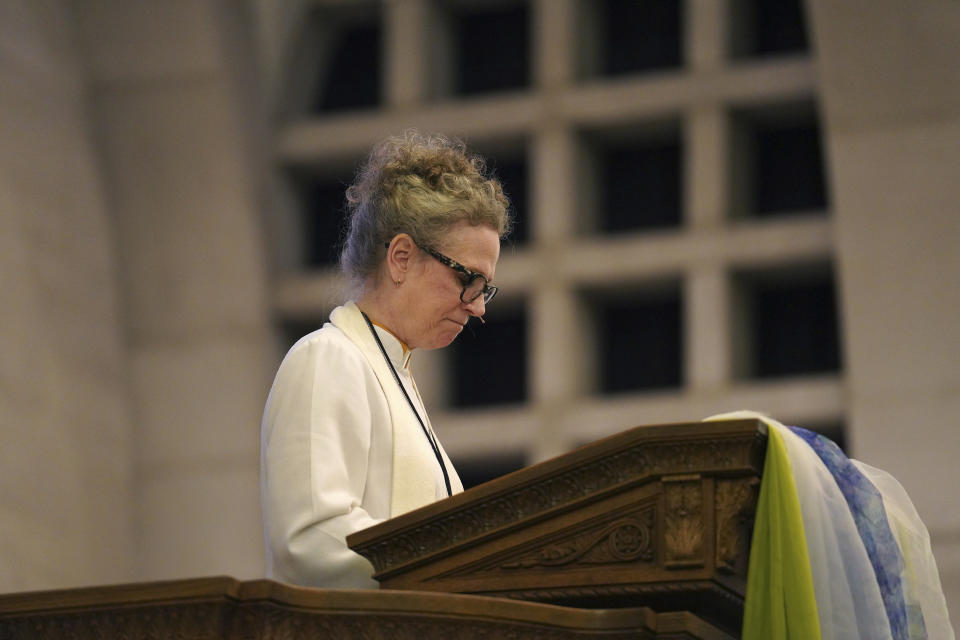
column 328, row 345
column 328, row 334
column 328, row 338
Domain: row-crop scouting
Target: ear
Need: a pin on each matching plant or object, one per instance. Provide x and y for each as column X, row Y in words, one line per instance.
column 400, row 256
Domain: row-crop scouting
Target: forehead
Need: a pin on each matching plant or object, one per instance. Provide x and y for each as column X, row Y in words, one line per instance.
column 477, row 247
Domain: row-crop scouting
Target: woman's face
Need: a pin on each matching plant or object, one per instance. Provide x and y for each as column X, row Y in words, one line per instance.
column 434, row 312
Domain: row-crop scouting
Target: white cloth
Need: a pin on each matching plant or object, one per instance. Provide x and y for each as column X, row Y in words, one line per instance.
column 849, row 603
column 341, row 450
column 922, row 581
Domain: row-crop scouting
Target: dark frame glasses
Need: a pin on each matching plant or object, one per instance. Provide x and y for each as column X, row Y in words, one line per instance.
column 471, row 290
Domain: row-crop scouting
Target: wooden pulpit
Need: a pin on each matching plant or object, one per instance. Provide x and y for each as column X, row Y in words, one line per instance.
column 645, row 534
column 226, row 609
column 656, row 516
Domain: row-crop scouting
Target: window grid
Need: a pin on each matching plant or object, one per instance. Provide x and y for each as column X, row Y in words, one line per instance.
column 557, row 261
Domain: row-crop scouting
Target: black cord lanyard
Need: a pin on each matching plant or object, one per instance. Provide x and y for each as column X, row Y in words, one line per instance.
column 426, row 432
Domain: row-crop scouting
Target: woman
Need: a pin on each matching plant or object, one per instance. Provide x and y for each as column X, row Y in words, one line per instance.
column 346, row 441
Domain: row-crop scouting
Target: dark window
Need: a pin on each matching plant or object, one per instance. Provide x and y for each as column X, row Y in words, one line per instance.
column 789, row 169
column 488, row 363
column 793, row 324
column 778, row 164
column 780, row 26
column 323, row 217
column 492, row 49
column 351, row 75
column 639, row 36
column 475, row 471
column 768, row 27
column 640, row 185
column 639, row 342
column 512, row 173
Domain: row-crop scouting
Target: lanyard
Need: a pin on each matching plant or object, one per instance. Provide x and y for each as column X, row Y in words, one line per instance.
column 396, row 376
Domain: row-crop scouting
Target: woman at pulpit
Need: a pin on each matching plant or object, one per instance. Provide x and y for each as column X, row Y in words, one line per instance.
column 346, row 441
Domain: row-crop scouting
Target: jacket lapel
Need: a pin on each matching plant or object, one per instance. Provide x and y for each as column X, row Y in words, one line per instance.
column 412, row 486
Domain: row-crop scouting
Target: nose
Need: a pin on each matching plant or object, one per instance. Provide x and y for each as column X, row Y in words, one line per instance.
column 476, row 308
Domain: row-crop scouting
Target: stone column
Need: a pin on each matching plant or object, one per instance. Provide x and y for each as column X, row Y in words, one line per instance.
column 891, row 96
column 176, row 134
column 66, row 469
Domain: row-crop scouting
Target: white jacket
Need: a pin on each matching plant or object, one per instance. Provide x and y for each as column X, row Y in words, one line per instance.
column 341, row 450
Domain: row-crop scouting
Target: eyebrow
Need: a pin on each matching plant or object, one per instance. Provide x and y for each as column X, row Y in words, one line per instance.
column 485, row 276
column 467, row 267
column 477, row 271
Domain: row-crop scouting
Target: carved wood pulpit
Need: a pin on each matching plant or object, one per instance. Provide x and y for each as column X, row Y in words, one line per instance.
column 656, row 516
column 644, row 535
column 226, row 609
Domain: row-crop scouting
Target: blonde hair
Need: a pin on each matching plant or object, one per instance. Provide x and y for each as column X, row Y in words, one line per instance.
column 420, row 185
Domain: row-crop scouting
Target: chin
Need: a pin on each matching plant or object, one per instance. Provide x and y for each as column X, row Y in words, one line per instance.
column 444, row 340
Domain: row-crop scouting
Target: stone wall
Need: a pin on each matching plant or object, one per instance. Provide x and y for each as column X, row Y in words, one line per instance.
column 66, row 463
column 890, row 87
column 171, row 93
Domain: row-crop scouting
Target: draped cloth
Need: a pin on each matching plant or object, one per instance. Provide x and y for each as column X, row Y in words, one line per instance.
column 857, row 537
column 780, row 596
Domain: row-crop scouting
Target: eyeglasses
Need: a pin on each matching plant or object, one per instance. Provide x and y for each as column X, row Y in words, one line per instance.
column 476, row 283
